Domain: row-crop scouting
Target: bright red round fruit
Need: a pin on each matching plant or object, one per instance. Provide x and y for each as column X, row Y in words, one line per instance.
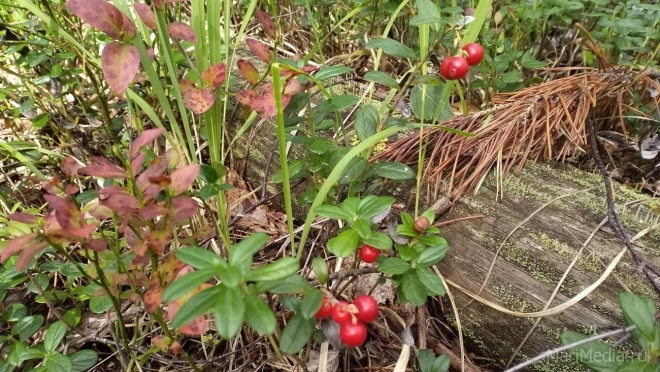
column 368, row 253
column 325, row 310
column 454, row 68
column 340, row 313
column 367, row 308
column 475, row 53
column 353, row 334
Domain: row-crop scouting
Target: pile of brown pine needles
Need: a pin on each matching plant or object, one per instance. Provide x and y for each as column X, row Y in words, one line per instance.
column 542, row 122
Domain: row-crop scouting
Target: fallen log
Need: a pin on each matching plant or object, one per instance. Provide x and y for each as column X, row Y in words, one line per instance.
column 566, row 206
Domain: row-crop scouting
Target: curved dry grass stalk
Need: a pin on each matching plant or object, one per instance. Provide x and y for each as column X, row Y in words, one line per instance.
column 547, row 121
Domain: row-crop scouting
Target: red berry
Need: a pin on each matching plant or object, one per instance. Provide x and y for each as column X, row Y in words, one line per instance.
column 367, row 308
column 453, row 68
column 353, row 334
column 368, row 253
column 340, row 313
column 475, row 53
column 325, row 310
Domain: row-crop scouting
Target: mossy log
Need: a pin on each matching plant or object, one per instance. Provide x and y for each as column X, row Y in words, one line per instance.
column 534, row 258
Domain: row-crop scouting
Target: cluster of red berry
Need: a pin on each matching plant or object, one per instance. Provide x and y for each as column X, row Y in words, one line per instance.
column 456, row 67
column 350, row 317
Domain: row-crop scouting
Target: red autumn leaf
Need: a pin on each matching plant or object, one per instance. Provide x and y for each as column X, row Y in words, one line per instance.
column 264, row 86
column 103, row 16
column 186, row 85
column 215, row 75
column 250, row 98
column 175, row 348
column 66, row 212
column 152, row 300
column 183, row 207
column 159, row 4
column 71, row 189
column 181, row 31
column 195, row 328
column 182, row 178
column 145, row 138
column 53, row 186
column 199, row 100
column 146, row 15
column 151, row 54
column 122, row 204
column 136, row 163
column 69, row 166
column 162, row 181
column 120, row 63
column 268, row 102
column 158, row 240
column 156, row 168
column 104, row 171
column 267, row 23
column 23, row 217
column 259, row 49
column 105, row 192
column 140, row 248
column 28, row 254
column 84, row 232
column 294, row 87
column 152, row 211
column 248, row 71
column 101, row 212
column 97, row 245
column 16, row 245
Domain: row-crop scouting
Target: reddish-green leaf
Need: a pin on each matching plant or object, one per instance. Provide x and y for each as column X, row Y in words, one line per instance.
column 66, row 212
column 250, row 98
column 122, row 204
column 159, row 4
column 104, row 171
column 16, row 245
column 182, row 31
column 268, row 101
column 103, row 16
column 294, row 87
column 158, row 240
column 145, row 138
column 120, row 63
column 267, row 23
column 259, row 49
column 28, row 254
column 97, row 245
column 136, row 163
column 146, row 15
column 161, row 342
column 199, row 100
column 215, row 75
column 23, row 217
column 182, row 178
column 248, row 71
column 183, row 207
column 69, row 166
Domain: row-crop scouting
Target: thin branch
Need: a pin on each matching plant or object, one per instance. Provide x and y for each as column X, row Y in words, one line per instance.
column 558, row 350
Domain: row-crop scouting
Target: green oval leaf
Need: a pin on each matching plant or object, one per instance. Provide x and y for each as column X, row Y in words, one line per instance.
column 27, row 326
column 241, row 253
column 333, row 211
column 344, row 244
column 393, row 266
column 431, row 281
column 199, row 258
column 186, row 284
column 366, row 122
column 83, row 360
column 392, row 47
column 57, row 362
column 229, row 311
column 413, row 289
column 277, row 270
column 54, row 336
column 331, row 71
column 311, row 303
column 296, row 334
column 381, row 78
column 197, row 305
column 259, row 315
column 379, row 240
column 432, row 255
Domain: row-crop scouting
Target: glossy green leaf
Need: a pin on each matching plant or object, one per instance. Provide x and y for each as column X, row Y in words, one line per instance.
column 353, row 171
column 230, row 276
column 637, row 366
column 432, row 255
column 54, row 336
column 413, row 289
column 363, row 228
column 344, row 244
column 391, row 170
column 370, row 207
column 187, row 283
column 259, row 315
column 208, row 174
column 83, row 360
column 277, row 270
column 331, row 71
column 366, row 122
column 199, row 258
column 381, row 78
column 431, row 102
column 296, row 334
column 57, row 362
column 291, row 285
column 199, row 304
column 431, row 281
column 392, row 47
column 393, row 266
column 320, row 268
column 241, row 253
column 229, row 311
column 333, row 211
column 311, row 303
column 640, row 312
column 27, row 326
column 379, row 240
column 337, row 103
